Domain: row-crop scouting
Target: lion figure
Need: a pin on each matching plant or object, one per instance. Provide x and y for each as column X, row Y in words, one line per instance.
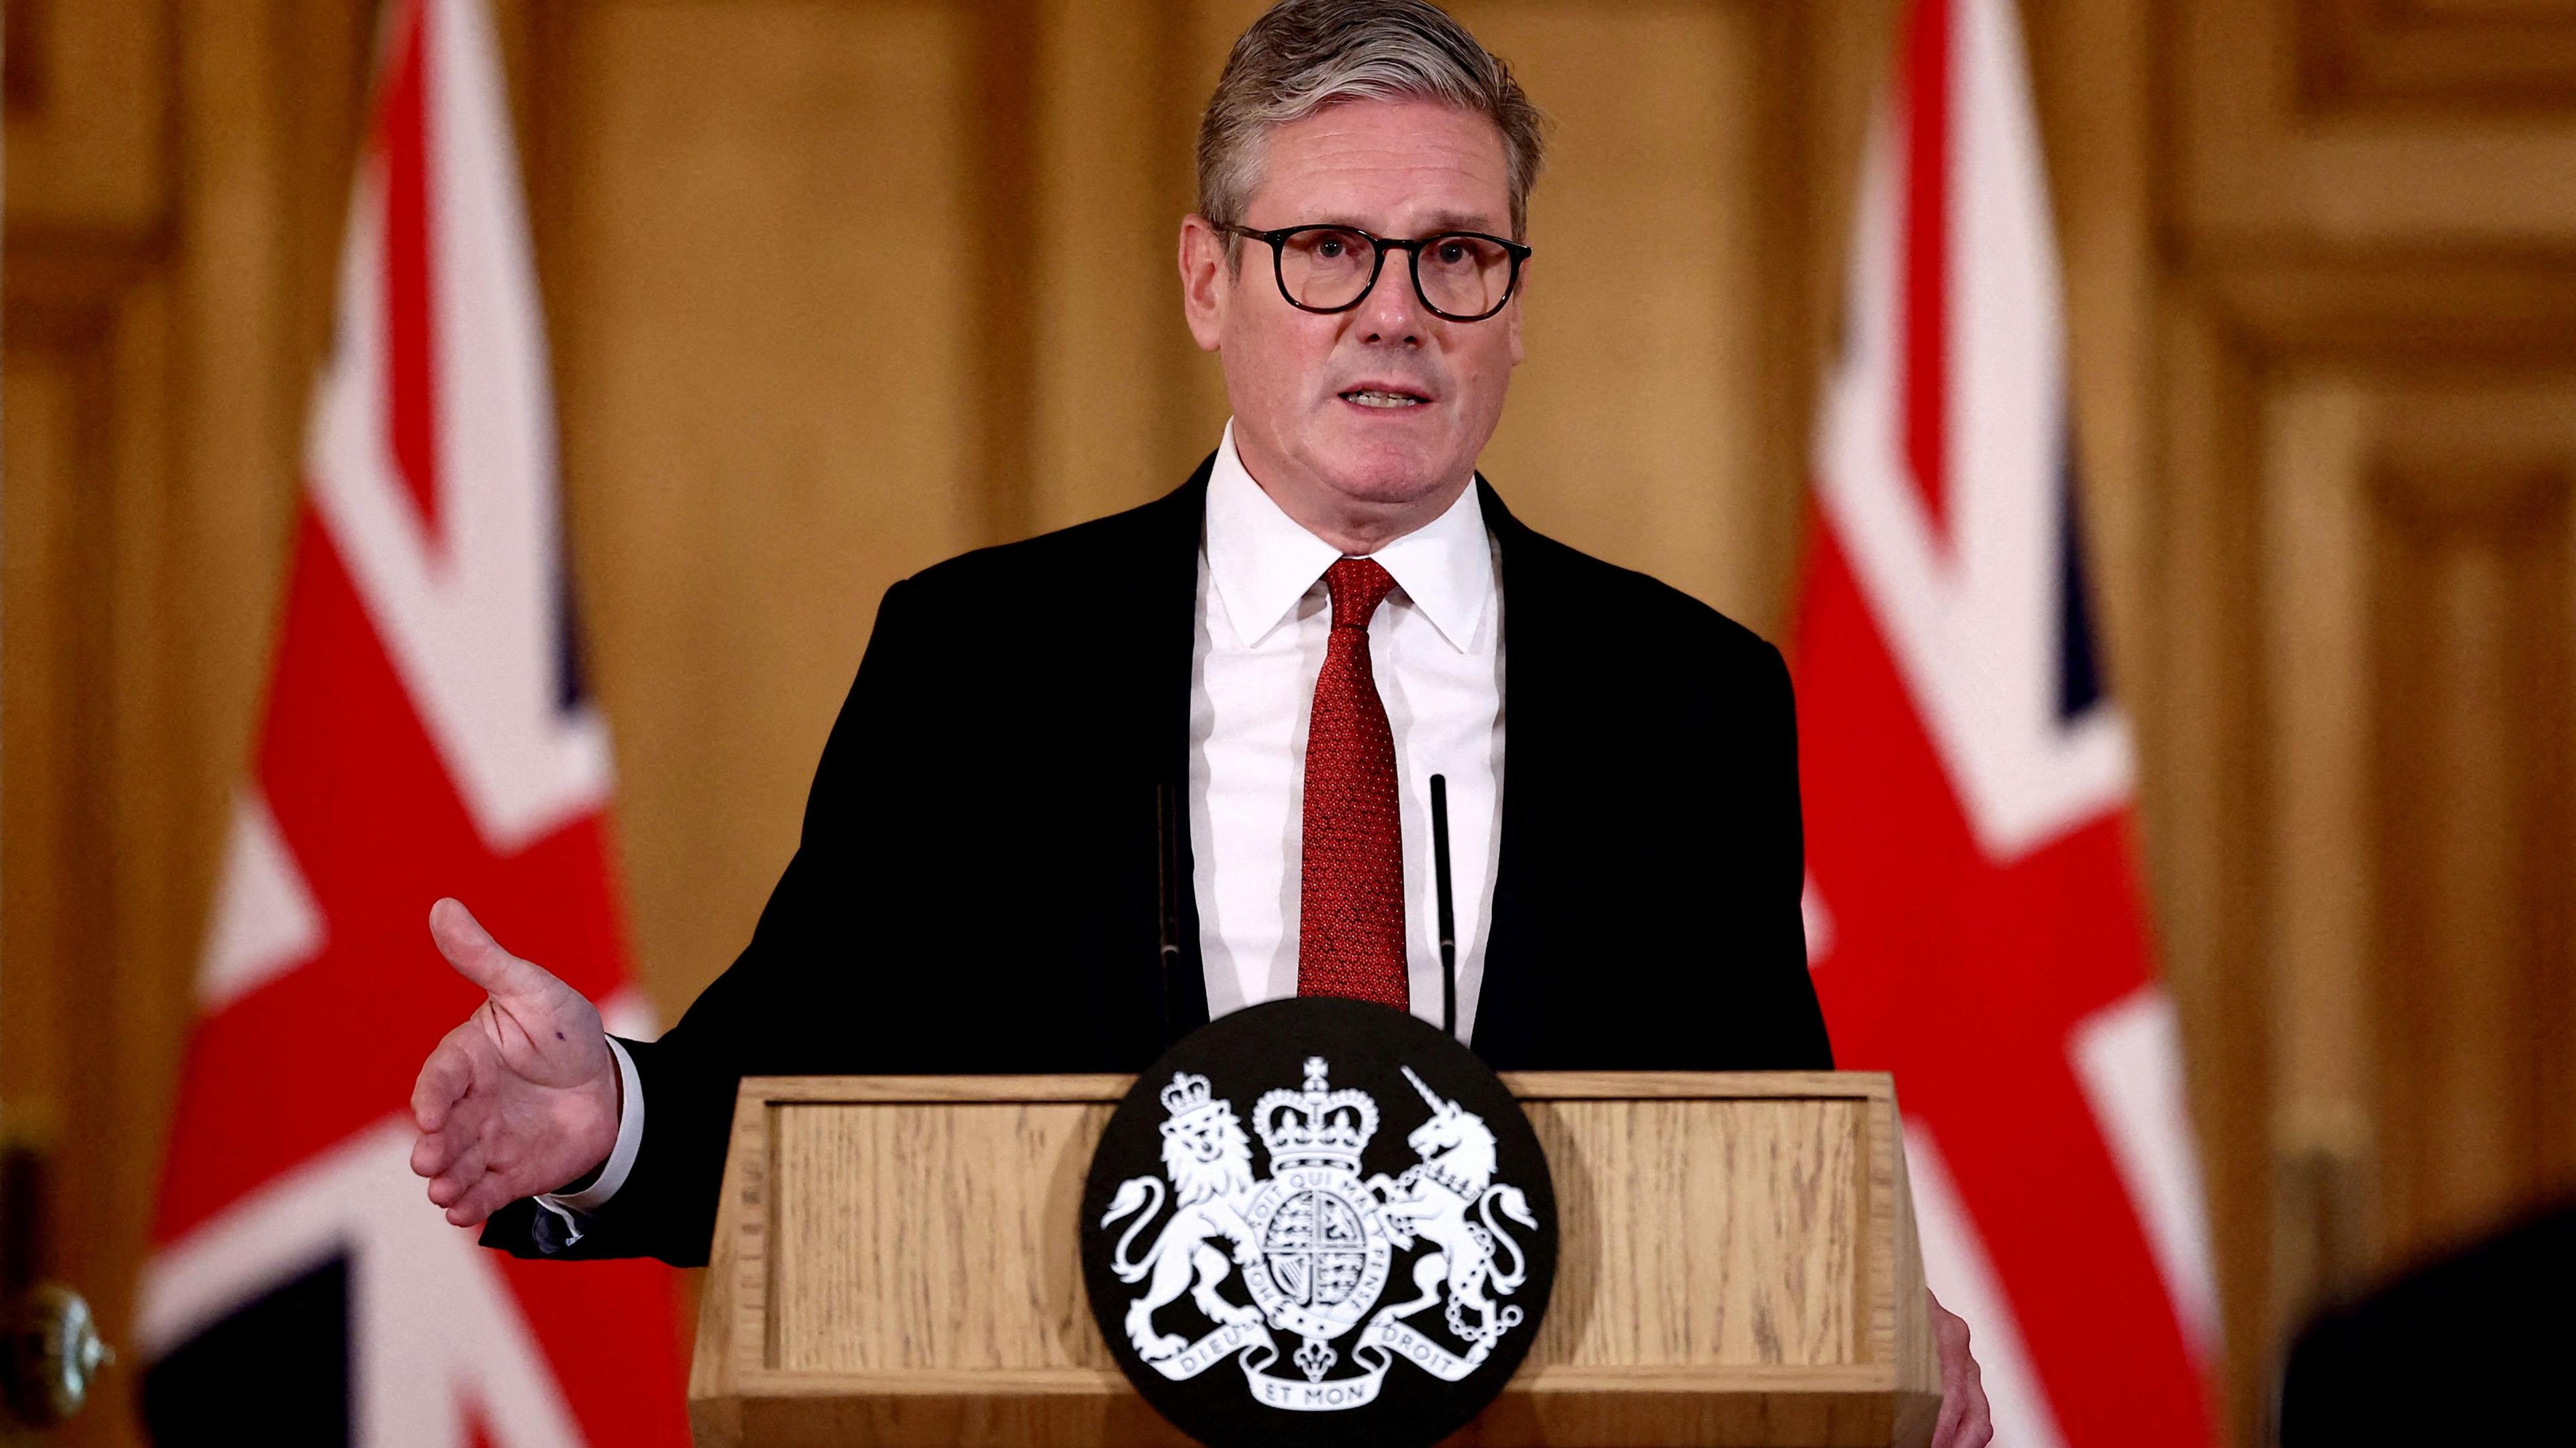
column 1209, row 1160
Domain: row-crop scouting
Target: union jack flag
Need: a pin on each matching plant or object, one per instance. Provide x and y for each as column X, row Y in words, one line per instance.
column 1973, row 918
column 426, row 733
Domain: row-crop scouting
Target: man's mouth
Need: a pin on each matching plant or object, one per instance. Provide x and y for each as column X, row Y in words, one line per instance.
column 1388, row 397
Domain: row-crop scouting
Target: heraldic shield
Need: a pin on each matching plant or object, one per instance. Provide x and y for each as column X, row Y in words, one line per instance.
column 1318, row 1221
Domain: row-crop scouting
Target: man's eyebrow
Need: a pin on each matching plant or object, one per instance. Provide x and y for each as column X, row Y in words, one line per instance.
column 1436, row 222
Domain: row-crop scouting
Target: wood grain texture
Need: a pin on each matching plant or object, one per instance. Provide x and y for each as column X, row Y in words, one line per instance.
column 931, row 1238
column 1700, row 1232
column 895, row 1262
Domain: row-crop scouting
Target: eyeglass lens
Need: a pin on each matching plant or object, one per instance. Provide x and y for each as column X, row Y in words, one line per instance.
column 1328, row 268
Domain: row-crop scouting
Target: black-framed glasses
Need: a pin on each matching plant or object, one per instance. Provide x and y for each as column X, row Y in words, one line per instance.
column 1463, row 276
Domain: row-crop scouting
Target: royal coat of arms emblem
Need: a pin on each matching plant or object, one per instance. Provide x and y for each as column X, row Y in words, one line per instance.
column 1317, row 1243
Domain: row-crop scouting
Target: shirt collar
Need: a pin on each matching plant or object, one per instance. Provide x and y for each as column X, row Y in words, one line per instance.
column 1261, row 562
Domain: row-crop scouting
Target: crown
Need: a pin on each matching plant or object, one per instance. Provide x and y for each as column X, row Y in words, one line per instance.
column 1316, row 1126
column 1186, row 1094
column 1191, row 1103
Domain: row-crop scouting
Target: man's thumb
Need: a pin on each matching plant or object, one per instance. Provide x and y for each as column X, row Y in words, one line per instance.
column 475, row 954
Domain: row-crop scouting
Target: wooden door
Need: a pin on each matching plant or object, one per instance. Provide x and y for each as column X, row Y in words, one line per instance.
column 2363, row 654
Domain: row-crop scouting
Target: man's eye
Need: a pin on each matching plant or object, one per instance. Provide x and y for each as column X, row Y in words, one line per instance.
column 1329, row 247
column 1452, row 253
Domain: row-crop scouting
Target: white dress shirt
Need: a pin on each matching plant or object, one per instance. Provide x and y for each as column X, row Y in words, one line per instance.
column 1264, row 618
column 1436, row 647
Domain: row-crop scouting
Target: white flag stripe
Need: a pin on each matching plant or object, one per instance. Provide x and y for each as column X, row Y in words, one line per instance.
column 2129, row 1057
column 266, row 923
column 434, row 1332
column 1961, row 1274
column 629, row 1014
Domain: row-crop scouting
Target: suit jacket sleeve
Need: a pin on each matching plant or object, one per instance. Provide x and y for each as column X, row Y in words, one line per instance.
column 1706, row 904
column 1776, row 986
column 816, row 969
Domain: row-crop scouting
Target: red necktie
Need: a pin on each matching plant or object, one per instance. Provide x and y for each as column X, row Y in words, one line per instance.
column 1351, row 912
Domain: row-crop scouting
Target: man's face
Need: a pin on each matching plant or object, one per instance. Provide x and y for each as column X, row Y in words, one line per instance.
column 1387, row 404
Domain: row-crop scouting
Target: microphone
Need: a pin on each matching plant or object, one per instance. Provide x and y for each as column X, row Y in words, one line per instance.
column 1448, row 913
column 1167, row 904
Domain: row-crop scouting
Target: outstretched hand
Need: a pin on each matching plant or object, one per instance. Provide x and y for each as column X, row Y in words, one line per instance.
column 520, row 1099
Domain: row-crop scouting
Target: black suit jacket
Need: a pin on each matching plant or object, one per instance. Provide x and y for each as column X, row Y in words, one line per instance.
column 977, row 887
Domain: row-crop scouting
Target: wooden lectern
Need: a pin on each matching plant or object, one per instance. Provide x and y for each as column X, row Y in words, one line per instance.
column 895, row 1262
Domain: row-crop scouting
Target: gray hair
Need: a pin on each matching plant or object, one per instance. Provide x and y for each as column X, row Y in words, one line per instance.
column 1304, row 55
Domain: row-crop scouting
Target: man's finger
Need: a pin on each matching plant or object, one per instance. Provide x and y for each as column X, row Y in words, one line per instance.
column 443, row 1153
column 1950, row 1342
column 1945, row 1429
column 444, row 1078
column 477, row 956
column 437, row 1150
column 444, row 1192
column 1979, row 1428
column 431, row 1154
column 480, row 1201
column 459, row 1177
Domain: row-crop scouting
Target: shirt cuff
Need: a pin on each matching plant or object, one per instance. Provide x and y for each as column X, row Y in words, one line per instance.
column 621, row 1157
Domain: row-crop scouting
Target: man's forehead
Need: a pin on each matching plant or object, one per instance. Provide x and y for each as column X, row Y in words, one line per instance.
column 1431, row 163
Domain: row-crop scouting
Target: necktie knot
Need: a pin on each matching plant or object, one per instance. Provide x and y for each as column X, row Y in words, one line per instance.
column 1358, row 586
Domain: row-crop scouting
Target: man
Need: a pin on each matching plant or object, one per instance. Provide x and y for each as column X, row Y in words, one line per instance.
column 1254, row 678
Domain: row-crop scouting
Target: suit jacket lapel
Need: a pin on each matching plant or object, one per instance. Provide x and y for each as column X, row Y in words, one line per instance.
column 1510, row 1018
column 1171, row 578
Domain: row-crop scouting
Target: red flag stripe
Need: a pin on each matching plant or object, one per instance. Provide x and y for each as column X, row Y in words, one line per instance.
column 1927, row 252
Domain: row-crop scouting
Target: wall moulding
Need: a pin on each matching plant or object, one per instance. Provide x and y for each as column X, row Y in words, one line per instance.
column 2409, row 54
column 2276, row 133
column 2398, row 304
column 2468, row 553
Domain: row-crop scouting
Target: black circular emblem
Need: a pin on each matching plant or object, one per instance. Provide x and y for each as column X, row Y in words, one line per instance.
column 1318, row 1221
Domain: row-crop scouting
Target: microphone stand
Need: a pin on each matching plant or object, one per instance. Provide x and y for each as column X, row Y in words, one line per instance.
column 1448, row 912
column 1167, row 905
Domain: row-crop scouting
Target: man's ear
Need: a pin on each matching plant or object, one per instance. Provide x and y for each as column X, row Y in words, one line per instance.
column 1207, row 283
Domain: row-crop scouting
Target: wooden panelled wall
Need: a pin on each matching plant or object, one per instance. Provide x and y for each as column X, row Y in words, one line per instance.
column 2358, row 690
column 839, row 287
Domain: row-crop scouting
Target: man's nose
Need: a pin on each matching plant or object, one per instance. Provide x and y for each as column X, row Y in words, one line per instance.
column 1392, row 313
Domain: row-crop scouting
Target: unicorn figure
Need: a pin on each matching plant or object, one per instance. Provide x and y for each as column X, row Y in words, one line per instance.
column 1439, row 1201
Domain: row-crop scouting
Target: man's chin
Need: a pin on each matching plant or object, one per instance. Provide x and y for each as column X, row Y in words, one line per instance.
column 1387, row 477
